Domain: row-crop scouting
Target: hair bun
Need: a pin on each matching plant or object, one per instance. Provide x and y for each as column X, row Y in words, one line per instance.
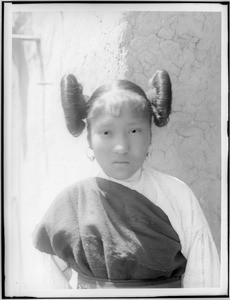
column 160, row 97
column 74, row 104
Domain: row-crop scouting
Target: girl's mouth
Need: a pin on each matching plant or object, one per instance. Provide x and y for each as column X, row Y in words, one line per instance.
column 119, row 162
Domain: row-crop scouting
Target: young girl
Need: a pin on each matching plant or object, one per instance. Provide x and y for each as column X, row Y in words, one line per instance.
column 130, row 226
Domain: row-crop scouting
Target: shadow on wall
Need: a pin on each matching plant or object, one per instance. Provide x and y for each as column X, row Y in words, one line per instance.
column 23, row 82
column 22, row 205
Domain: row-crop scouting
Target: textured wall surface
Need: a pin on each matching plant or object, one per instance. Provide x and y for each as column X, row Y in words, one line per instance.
column 101, row 46
column 187, row 45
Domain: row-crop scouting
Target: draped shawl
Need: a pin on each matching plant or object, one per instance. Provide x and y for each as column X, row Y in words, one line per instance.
column 106, row 231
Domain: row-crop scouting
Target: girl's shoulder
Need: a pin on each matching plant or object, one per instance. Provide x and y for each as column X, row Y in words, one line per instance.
column 70, row 192
column 89, row 181
column 170, row 181
column 174, row 188
column 180, row 199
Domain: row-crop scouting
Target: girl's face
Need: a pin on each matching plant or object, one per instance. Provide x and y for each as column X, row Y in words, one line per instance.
column 120, row 143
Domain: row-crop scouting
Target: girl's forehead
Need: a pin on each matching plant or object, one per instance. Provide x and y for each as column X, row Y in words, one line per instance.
column 115, row 103
column 125, row 118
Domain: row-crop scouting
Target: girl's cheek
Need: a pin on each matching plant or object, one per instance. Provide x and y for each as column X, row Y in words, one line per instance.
column 98, row 142
column 95, row 141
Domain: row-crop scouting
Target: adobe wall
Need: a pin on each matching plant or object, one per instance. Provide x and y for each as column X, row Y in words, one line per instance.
column 188, row 46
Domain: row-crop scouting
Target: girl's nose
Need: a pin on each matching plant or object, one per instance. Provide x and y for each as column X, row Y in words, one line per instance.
column 121, row 145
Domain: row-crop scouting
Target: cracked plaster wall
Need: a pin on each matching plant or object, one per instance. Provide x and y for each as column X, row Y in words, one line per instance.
column 103, row 46
column 187, row 45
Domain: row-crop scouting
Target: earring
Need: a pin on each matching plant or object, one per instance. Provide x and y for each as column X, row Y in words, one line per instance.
column 150, row 150
column 90, row 154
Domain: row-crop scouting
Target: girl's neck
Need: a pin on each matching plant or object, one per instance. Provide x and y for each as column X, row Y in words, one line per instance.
column 134, row 178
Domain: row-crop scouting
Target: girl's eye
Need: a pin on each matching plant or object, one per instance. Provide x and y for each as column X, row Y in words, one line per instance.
column 106, row 132
column 137, row 130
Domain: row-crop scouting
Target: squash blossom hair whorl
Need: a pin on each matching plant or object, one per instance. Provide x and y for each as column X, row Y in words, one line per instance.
column 74, row 104
column 160, row 96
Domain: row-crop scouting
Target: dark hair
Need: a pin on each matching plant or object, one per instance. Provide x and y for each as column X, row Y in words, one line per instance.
column 124, row 85
column 156, row 102
column 125, row 92
column 160, row 95
column 74, row 104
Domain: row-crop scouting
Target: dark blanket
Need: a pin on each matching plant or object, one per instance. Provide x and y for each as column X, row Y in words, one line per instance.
column 105, row 230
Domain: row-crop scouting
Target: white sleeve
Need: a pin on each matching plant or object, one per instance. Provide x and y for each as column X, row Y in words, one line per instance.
column 203, row 268
column 50, row 275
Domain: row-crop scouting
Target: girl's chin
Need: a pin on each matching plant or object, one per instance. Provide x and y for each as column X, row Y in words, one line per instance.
column 121, row 175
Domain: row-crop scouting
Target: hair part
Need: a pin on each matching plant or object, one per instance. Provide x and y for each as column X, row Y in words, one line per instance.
column 112, row 98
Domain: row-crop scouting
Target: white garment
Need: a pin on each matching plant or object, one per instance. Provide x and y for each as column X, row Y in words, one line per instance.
column 184, row 212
